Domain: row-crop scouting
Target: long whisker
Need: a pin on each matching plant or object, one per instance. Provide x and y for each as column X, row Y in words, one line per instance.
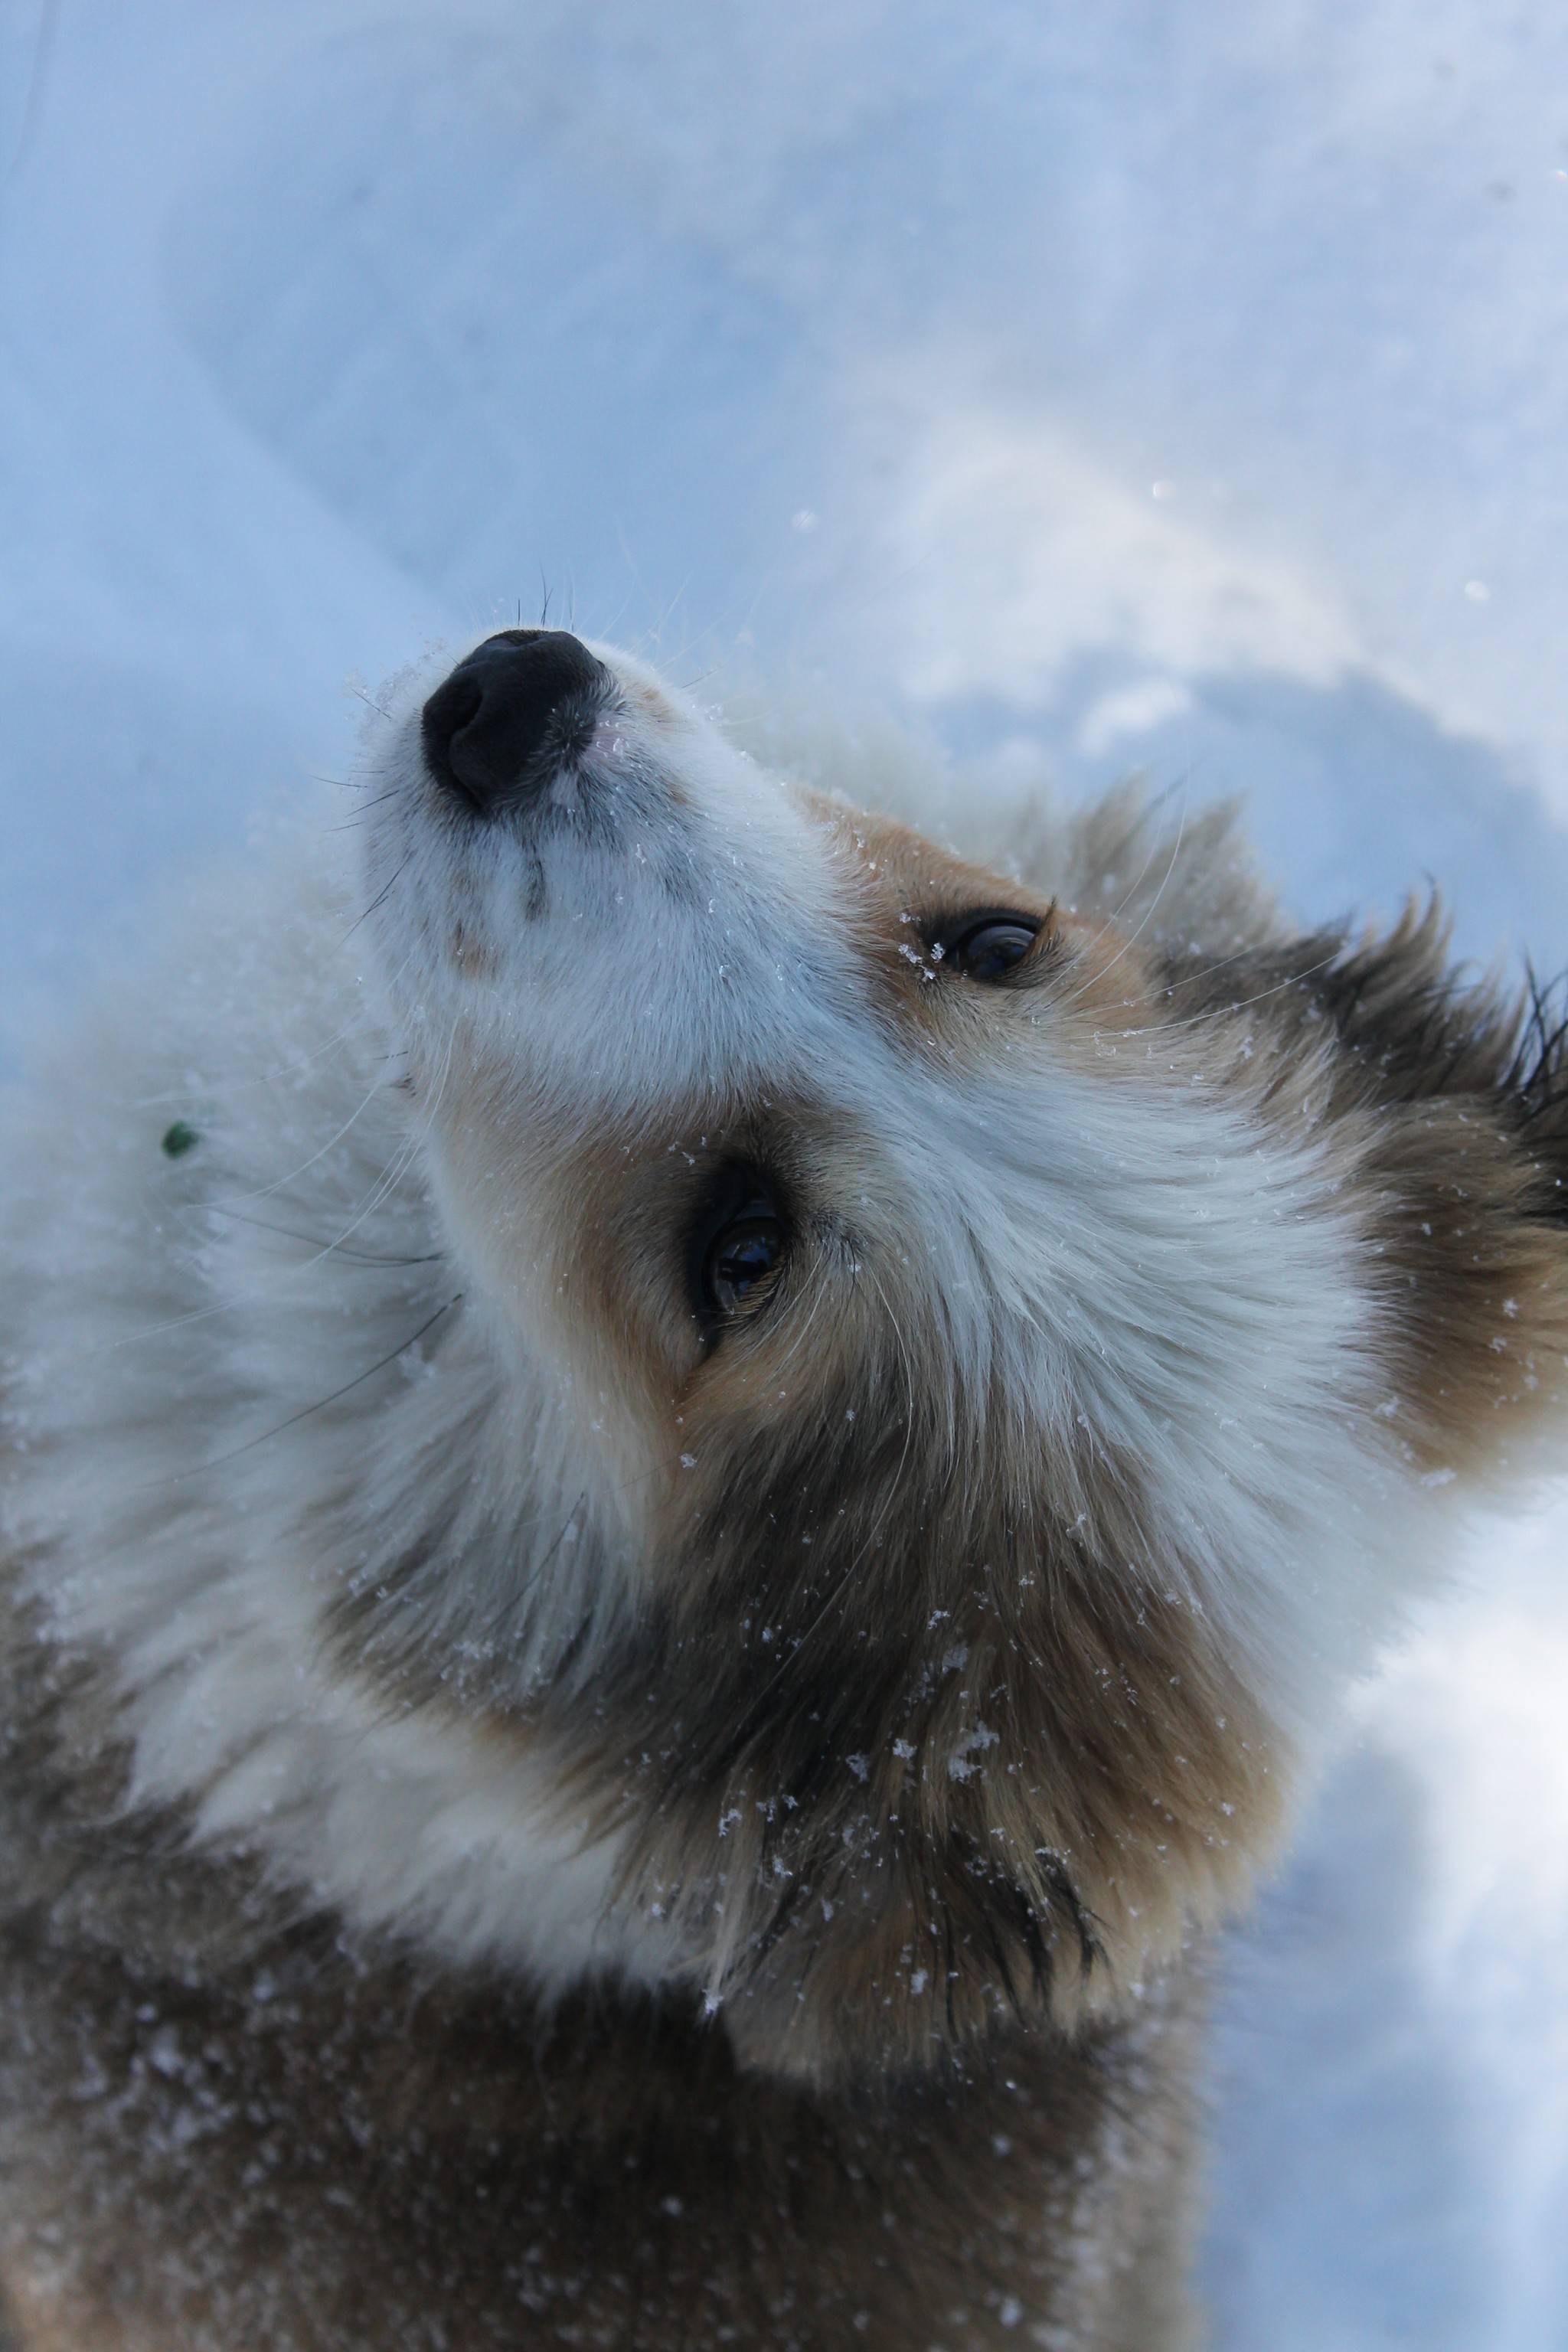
column 1110, row 922
column 1222, row 1012
column 321, row 1402
column 325, row 1249
column 1148, row 916
column 264, row 1192
column 380, row 899
column 403, row 1158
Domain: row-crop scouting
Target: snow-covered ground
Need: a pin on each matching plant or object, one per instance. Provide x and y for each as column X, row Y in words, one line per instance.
column 1159, row 383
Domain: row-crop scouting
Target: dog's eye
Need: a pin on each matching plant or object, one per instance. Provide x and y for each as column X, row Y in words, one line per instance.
column 992, row 945
column 738, row 1246
column 743, row 1259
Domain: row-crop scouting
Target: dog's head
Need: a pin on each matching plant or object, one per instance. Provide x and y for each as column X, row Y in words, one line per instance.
column 982, row 1371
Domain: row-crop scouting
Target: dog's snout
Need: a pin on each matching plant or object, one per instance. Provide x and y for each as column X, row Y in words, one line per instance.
column 521, row 693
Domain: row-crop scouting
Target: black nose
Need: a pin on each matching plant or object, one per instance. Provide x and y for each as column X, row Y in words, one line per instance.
column 518, row 696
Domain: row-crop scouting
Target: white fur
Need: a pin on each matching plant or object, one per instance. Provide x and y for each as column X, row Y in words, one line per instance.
column 161, row 1333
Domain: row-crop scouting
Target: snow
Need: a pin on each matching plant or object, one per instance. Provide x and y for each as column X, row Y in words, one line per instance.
column 1148, row 384
column 1392, row 2061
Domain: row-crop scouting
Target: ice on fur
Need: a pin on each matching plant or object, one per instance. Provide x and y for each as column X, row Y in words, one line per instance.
column 643, row 1380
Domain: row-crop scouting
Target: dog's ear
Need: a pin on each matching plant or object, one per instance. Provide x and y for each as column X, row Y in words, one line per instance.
column 1443, row 1104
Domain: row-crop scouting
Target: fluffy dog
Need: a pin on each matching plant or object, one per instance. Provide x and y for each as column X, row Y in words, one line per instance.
column 686, row 1483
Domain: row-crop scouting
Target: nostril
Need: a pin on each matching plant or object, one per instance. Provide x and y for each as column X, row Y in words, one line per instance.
column 518, row 694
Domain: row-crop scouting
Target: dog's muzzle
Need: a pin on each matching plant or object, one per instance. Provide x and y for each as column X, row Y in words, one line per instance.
column 517, row 707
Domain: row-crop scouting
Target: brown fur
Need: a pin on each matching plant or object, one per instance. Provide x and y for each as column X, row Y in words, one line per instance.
column 218, row 2128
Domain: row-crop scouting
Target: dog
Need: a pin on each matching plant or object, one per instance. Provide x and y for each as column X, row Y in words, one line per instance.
column 690, row 1480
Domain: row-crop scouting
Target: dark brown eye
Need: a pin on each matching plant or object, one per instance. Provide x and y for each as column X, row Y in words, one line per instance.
column 992, row 945
column 739, row 1246
column 743, row 1261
